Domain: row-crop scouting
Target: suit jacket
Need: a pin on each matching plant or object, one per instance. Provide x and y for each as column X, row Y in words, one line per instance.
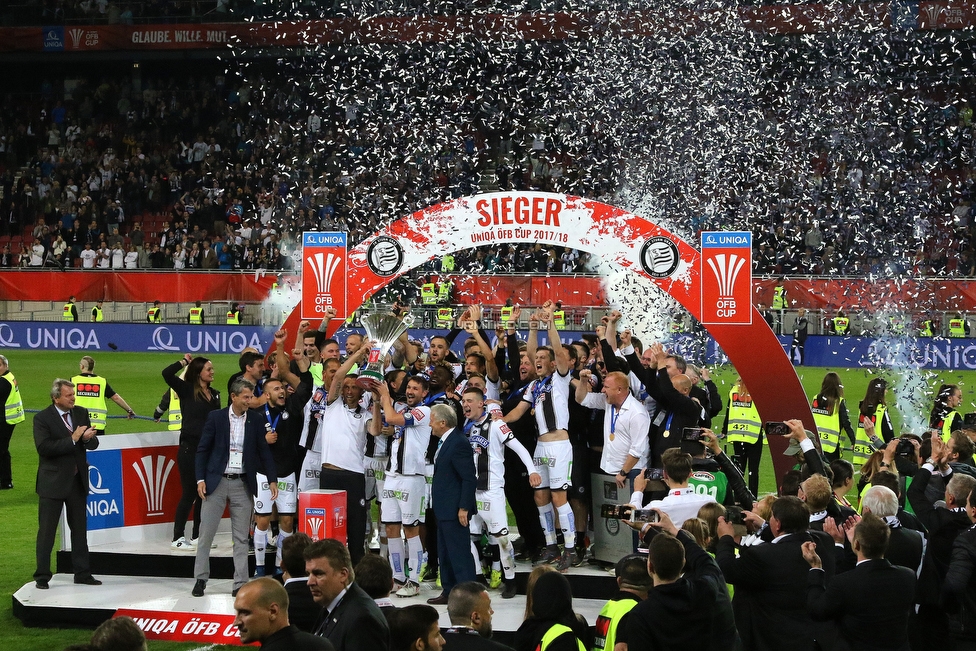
column 869, row 605
column 906, row 548
column 770, row 582
column 303, row 612
column 356, row 623
column 454, row 483
column 469, row 640
column 208, row 259
column 213, row 453
column 292, row 639
column 959, row 590
column 61, row 459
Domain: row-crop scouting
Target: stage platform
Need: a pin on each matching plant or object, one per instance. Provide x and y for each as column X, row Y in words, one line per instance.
column 150, row 576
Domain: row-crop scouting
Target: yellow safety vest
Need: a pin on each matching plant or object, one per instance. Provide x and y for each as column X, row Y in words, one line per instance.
column 841, row 324
column 556, row 631
column 947, row 425
column 927, row 330
column 447, row 263
column 862, row 445
column 559, row 318
column 445, row 316
column 174, row 415
column 233, row 318
column 66, row 312
column 444, row 292
column 153, row 315
column 507, row 314
column 677, row 327
column 13, row 409
column 196, row 315
column 97, row 314
column 779, row 298
column 90, row 394
column 828, row 425
column 608, row 620
column 744, row 423
column 957, row 328
column 428, row 293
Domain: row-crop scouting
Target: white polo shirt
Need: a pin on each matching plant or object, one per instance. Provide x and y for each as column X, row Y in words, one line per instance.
column 341, row 436
column 625, row 432
column 681, row 504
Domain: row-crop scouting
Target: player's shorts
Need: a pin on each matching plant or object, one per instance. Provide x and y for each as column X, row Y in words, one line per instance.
column 375, row 471
column 580, row 475
column 287, row 500
column 491, row 513
column 404, row 499
column 554, row 463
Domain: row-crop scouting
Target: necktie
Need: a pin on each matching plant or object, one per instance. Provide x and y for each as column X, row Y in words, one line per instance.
column 66, row 421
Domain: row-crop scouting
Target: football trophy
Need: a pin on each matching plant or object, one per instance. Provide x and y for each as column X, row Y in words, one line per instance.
column 383, row 328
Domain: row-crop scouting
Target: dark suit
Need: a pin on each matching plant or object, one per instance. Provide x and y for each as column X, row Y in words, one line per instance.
column 770, row 582
column 459, row 638
column 213, row 453
column 453, row 489
column 303, row 612
column 292, row 639
column 869, row 605
column 355, row 624
column 62, row 481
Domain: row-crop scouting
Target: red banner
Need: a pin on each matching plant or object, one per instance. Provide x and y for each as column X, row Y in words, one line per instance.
column 214, row 628
column 323, row 274
column 726, row 278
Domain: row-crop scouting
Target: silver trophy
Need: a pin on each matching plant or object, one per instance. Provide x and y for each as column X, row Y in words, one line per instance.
column 383, row 328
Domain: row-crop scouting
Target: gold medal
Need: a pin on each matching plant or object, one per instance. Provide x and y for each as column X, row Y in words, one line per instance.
column 612, row 437
column 667, row 433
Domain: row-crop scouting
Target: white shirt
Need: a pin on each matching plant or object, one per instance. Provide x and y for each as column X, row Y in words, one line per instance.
column 236, row 441
column 625, row 432
column 88, row 258
column 549, row 396
column 408, row 448
column 341, row 436
column 681, row 504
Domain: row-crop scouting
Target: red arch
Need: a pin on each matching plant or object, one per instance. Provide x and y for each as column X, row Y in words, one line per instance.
column 612, row 233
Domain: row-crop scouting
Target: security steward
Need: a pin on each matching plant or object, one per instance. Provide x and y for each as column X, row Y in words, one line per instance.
column 841, row 323
column 633, row 582
column 91, row 392
column 195, row 315
column 97, row 315
column 69, row 312
column 154, row 314
column 234, row 314
column 958, row 326
column 928, row 328
column 13, row 413
column 559, row 316
column 743, row 428
column 428, row 293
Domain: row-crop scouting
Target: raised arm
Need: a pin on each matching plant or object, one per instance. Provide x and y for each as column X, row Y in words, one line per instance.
column 562, row 355
column 282, row 362
column 347, row 365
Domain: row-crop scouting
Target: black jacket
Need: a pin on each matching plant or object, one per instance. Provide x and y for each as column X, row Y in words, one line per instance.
column 959, row 589
column 553, row 604
column 303, row 612
column 292, row 639
column 355, row 623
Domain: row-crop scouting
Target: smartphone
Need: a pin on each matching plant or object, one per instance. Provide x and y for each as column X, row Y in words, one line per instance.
column 616, row 511
column 646, row 515
column 654, row 474
column 777, row 428
column 733, row 515
column 692, row 434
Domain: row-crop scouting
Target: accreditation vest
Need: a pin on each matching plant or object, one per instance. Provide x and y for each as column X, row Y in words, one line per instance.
column 779, row 298
column 13, row 409
column 553, row 633
column 447, row 263
column 233, row 318
column 90, row 394
column 744, row 423
column 428, row 293
column 174, row 415
column 677, row 327
column 196, row 315
column 153, row 314
column 445, row 316
column 66, row 312
column 841, row 324
column 444, row 292
column 507, row 314
column 608, row 620
column 947, row 424
column 862, row 445
column 828, row 425
column 927, row 330
column 957, row 327
column 559, row 318
column 97, row 314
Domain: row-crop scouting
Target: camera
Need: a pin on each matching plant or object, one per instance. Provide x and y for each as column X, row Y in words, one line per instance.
column 905, row 448
column 777, row 428
column 733, row 515
column 693, row 434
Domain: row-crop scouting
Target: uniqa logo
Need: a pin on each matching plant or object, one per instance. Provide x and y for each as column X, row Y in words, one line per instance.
column 153, row 477
column 162, row 339
column 7, row 337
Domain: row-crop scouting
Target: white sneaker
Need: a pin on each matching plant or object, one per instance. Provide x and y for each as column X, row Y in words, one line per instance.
column 193, row 543
column 181, row 544
column 410, row 589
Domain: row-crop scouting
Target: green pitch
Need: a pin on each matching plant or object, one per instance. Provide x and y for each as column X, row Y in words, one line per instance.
column 136, row 376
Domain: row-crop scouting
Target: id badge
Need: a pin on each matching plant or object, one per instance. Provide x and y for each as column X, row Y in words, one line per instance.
column 236, row 460
column 659, row 418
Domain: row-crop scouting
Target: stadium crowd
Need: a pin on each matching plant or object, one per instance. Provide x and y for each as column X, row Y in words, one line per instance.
column 248, row 163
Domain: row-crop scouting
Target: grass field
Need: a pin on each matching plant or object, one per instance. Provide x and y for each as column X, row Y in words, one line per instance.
column 136, row 376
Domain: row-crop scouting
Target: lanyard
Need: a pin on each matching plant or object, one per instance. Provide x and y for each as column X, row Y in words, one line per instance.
column 271, row 424
column 667, row 425
column 614, row 414
column 541, row 386
column 430, row 399
column 468, row 427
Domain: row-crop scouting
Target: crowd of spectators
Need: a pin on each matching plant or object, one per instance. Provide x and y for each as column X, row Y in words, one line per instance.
column 242, row 162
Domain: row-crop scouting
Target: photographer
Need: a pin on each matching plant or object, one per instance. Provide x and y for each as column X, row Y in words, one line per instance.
column 681, row 502
column 715, row 474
